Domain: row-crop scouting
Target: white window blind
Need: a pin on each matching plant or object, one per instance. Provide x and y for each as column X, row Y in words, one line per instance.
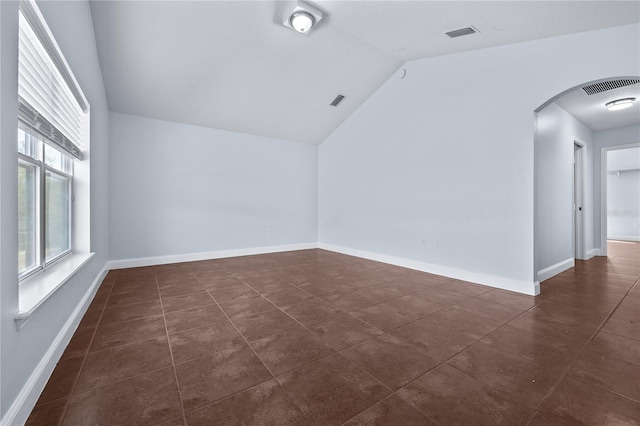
column 50, row 102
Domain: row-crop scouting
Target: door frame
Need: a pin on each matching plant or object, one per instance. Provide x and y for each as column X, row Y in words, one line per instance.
column 578, row 191
column 603, row 191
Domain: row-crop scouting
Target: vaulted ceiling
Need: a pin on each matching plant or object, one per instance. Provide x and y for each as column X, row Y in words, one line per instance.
column 232, row 65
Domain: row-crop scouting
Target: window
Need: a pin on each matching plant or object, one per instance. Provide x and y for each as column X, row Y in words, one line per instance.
column 52, row 126
column 45, row 188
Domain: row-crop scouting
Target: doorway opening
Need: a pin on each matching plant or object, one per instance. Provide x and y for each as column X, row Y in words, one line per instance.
column 570, row 207
column 620, row 193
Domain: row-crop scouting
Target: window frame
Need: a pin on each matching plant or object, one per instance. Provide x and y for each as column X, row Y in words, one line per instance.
column 42, row 263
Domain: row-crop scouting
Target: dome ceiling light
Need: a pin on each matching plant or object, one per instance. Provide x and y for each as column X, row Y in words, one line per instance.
column 619, row 104
column 302, row 18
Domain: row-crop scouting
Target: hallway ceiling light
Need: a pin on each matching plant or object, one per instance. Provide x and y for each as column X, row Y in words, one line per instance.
column 619, row 104
column 302, row 18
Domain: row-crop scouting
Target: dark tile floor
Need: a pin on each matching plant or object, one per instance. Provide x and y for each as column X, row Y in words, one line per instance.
column 314, row 337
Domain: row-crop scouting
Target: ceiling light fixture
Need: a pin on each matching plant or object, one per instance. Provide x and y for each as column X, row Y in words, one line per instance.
column 619, row 104
column 302, row 18
column 302, row 21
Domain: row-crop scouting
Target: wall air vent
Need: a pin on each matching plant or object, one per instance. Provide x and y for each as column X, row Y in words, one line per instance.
column 461, row 32
column 592, row 89
column 337, row 100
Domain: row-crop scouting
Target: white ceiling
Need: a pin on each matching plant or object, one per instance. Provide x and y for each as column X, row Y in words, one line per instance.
column 591, row 110
column 232, row 65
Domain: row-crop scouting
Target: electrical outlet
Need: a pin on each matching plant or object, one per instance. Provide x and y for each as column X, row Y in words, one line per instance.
column 335, row 230
column 438, row 244
column 268, row 231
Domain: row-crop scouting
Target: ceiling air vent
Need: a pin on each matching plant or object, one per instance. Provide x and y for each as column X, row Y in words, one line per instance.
column 461, row 32
column 337, row 100
column 592, row 89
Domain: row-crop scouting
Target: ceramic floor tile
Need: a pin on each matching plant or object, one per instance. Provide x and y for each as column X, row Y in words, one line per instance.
column 62, row 379
column 415, row 305
column 538, row 348
column 342, row 330
column 443, row 296
column 231, row 293
column 247, row 304
column 193, row 318
column 497, row 373
column 288, row 297
column 509, row 298
column 325, row 287
column 385, row 317
column 576, row 402
column 180, row 288
column 123, row 333
column 392, row 411
column 264, row 404
column 311, row 311
column 215, row 376
column 122, row 362
column 131, row 285
column 49, row 414
column 524, row 381
column 220, row 283
column 465, row 288
column 615, row 347
column 380, row 293
column 390, row 360
column 349, row 300
column 193, row 300
column 264, row 324
column 451, row 397
column 91, row 317
column 119, row 313
column 148, row 399
column 79, row 344
column 495, row 311
column 133, row 296
column 290, row 349
column 619, row 377
column 332, row 390
column 202, row 341
column 623, row 327
column 446, row 333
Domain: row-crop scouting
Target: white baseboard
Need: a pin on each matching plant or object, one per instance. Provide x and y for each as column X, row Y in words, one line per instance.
column 546, row 273
column 624, row 237
column 525, row 287
column 594, row 252
column 194, row 257
column 19, row 411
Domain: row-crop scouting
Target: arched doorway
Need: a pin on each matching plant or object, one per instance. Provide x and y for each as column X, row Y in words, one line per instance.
column 568, row 143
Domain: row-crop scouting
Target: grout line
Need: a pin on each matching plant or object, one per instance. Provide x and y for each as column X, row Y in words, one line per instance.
column 86, row 354
column 273, row 377
column 340, row 351
column 173, row 363
column 564, row 374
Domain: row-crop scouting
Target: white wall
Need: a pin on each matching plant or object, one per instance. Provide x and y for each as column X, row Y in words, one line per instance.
column 623, row 195
column 179, row 189
column 603, row 139
column 553, row 154
column 446, row 154
column 21, row 351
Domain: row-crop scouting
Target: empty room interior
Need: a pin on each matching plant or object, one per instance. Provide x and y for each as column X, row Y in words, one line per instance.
column 319, row 213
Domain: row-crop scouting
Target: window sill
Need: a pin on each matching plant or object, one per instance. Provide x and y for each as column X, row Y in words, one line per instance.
column 39, row 288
